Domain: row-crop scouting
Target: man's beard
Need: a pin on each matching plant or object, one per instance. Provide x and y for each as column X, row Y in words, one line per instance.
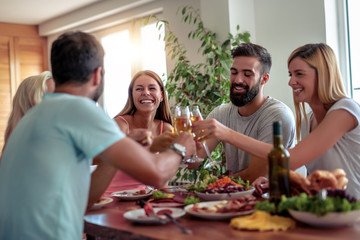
column 241, row 99
column 99, row 89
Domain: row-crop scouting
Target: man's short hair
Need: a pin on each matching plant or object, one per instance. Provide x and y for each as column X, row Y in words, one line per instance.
column 254, row 50
column 74, row 57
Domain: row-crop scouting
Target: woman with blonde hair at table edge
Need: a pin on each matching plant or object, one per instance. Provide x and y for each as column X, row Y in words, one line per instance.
column 330, row 132
column 28, row 94
column 145, row 117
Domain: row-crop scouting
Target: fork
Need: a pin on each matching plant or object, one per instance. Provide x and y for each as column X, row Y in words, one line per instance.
column 183, row 229
column 322, row 194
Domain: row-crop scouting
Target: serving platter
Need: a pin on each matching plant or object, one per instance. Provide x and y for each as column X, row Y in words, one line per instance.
column 212, row 215
column 223, row 196
column 330, row 220
column 138, row 215
column 133, row 194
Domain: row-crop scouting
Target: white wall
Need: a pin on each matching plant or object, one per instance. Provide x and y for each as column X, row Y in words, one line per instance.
column 278, row 25
column 281, row 27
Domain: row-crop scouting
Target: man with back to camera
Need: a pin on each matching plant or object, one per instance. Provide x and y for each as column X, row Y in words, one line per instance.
column 44, row 173
column 249, row 112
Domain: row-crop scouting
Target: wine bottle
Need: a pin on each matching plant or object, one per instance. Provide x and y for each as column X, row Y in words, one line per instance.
column 279, row 167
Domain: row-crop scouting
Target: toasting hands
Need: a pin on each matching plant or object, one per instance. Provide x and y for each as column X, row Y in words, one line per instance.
column 208, row 129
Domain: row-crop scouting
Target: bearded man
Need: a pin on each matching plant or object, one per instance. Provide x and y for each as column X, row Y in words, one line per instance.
column 250, row 112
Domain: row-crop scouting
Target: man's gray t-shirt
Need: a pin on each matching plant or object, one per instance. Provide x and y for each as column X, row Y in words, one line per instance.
column 257, row 126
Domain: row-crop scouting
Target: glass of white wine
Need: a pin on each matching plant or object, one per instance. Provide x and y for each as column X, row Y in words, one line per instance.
column 195, row 115
column 182, row 123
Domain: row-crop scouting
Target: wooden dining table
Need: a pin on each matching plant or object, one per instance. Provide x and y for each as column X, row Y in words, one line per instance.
column 109, row 223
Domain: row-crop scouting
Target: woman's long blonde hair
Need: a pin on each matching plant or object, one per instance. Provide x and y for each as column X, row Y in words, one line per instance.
column 163, row 111
column 330, row 84
column 28, row 94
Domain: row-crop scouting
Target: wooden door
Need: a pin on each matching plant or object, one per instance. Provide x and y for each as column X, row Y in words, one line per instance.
column 6, row 74
column 20, row 57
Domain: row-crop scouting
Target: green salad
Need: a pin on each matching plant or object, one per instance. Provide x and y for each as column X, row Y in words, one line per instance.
column 200, row 186
column 312, row 204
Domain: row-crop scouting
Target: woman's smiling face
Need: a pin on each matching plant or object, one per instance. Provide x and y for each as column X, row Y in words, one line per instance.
column 303, row 81
column 147, row 94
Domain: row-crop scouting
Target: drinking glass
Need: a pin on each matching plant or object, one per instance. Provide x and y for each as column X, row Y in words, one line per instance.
column 182, row 122
column 195, row 115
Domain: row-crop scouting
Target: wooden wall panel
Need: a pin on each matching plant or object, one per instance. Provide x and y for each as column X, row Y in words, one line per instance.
column 23, row 53
column 5, row 84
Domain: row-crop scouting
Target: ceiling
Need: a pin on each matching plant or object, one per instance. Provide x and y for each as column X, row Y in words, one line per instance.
column 35, row 12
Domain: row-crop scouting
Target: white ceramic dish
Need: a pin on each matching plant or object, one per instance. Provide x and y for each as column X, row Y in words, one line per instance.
column 132, row 194
column 214, row 216
column 329, row 220
column 103, row 202
column 224, row 196
column 139, row 216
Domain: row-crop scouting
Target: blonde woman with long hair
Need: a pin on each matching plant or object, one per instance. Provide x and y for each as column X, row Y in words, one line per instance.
column 28, row 94
column 330, row 132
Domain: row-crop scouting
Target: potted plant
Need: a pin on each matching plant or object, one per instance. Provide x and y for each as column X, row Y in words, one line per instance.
column 205, row 84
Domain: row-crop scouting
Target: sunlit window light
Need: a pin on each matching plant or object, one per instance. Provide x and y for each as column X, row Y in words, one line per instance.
column 117, row 71
column 354, row 40
column 153, row 49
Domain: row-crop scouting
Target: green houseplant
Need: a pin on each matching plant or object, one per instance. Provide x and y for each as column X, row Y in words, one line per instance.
column 205, row 84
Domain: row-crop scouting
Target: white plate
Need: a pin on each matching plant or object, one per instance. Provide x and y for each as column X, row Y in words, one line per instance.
column 131, row 194
column 103, row 202
column 214, row 216
column 329, row 220
column 224, row 196
column 139, row 216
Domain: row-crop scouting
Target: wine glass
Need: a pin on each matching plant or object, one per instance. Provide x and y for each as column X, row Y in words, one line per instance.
column 182, row 123
column 195, row 115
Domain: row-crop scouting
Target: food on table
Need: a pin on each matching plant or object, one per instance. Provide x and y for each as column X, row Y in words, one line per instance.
column 222, row 184
column 149, row 210
column 163, row 211
column 244, row 203
column 262, row 221
column 102, row 200
column 191, row 200
column 337, row 201
column 140, row 192
column 160, row 195
column 136, row 193
column 319, row 179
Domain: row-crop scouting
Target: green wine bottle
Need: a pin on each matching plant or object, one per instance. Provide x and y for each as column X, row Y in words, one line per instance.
column 279, row 167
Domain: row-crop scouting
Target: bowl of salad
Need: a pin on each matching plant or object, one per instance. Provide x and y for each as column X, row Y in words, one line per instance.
column 215, row 188
column 337, row 210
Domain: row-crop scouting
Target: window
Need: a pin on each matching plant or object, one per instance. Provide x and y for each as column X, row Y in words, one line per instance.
column 353, row 18
column 129, row 48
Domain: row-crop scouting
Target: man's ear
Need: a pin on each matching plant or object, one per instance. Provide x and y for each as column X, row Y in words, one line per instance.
column 265, row 78
column 97, row 76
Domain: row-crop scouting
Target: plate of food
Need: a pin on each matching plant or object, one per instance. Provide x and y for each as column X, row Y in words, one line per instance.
column 133, row 194
column 139, row 215
column 221, row 210
column 330, row 220
column 221, row 188
column 103, row 201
